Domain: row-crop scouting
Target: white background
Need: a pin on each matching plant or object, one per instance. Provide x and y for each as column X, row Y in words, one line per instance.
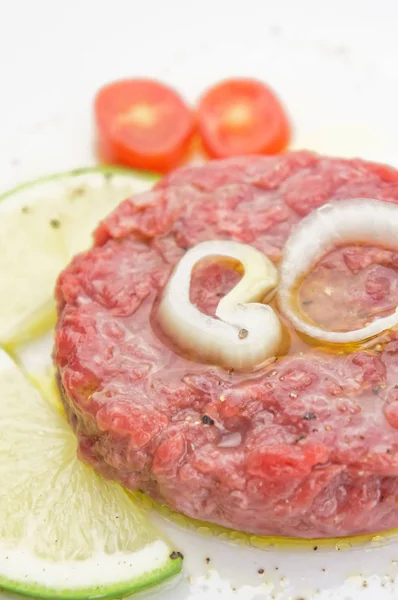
column 334, row 65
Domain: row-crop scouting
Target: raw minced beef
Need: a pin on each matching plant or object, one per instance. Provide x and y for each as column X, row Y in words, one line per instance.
column 308, row 445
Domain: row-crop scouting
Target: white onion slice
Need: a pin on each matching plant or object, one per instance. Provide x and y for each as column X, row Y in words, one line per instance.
column 245, row 333
column 337, row 223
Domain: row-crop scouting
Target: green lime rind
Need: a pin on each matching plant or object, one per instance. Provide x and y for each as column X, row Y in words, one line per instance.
column 112, row 170
column 138, row 584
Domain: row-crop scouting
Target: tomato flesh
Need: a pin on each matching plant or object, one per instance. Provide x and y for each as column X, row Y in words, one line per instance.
column 143, row 124
column 242, row 116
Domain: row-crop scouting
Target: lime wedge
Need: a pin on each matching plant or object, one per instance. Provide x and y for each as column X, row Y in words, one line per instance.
column 43, row 224
column 64, row 531
column 35, row 359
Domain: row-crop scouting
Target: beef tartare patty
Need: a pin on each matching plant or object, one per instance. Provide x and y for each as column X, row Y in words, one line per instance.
column 306, row 446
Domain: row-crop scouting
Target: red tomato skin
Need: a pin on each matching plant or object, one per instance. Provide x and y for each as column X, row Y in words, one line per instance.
column 269, row 131
column 159, row 146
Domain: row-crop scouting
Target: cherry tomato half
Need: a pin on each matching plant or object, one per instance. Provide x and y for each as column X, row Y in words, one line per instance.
column 143, row 124
column 242, row 116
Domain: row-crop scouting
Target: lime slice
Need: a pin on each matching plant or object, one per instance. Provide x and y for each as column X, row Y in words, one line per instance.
column 64, row 531
column 43, row 224
column 35, row 359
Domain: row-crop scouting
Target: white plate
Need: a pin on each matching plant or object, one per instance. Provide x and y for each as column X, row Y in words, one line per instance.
column 334, row 65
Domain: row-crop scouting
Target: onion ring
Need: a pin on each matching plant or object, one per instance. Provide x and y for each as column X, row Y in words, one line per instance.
column 334, row 224
column 245, row 332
